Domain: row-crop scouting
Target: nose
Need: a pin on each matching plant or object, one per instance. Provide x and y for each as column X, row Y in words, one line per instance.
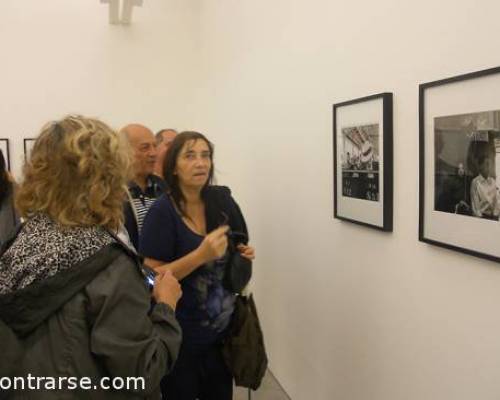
column 200, row 161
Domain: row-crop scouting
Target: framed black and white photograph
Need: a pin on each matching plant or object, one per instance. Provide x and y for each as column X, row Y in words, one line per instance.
column 460, row 163
column 4, row 146
column 28, row 146
column 362, row 157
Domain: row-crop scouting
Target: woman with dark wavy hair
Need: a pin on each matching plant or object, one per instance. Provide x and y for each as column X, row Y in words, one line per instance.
column 8, row 215
column 190, row 218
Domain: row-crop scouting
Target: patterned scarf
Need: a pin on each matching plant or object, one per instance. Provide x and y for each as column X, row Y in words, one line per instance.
column 43, row 248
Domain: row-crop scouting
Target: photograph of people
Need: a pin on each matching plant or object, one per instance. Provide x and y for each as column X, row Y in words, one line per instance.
column 360, row 162
column 467, row 164
column 483, row 191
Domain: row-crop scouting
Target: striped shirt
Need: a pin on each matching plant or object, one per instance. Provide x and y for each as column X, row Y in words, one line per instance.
column 142, row 204
column 139, row 204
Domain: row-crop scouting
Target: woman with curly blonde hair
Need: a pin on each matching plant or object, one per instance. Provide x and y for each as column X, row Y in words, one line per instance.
column 76, row 174
column 70, row 292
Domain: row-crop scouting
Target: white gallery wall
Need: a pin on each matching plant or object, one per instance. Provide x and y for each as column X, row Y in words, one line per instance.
column 349, row 313
column 62, row 56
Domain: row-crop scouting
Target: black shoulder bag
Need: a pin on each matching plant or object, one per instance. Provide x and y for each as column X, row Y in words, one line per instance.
column 244, row 351
column 238, row 269
column 221, row 209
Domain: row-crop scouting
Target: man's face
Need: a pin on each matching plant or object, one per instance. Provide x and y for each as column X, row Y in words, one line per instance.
column 484, row 168
column 143, row 143
column 168, row 136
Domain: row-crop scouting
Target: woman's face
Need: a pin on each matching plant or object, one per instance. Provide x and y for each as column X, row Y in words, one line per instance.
column 193, row 164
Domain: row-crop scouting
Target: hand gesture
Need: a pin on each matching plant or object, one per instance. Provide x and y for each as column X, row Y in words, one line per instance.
column 167, row 289
column 214, row 245
column 246, row 251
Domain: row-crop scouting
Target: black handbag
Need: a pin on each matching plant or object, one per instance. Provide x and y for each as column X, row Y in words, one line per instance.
column 244, row 351
column 238, row 269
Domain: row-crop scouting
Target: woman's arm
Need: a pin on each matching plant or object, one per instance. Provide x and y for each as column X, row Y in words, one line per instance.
column 124, row 336
column 475, row 199
column 212, row 247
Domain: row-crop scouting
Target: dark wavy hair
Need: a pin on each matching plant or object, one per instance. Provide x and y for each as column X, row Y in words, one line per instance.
column 173, row 188
column 5, row 183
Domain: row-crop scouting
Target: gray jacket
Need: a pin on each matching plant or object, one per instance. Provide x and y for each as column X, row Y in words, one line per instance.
column 8, row 217
column 92, row 321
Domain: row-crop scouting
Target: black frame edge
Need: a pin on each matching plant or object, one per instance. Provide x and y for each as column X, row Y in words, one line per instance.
column 8, row 153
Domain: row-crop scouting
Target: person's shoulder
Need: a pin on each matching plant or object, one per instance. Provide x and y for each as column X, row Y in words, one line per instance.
column 155, row 179
column 162, row 202
column 162, row 207
column 215, row 190
column 220, row 196
column 476, row 179
column 121, row 245
column 122, row 272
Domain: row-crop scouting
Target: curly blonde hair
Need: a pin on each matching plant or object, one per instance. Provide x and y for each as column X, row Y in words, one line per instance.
column 77, row 174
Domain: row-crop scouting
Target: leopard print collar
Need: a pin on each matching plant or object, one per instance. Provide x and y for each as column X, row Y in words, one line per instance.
column 43, row 248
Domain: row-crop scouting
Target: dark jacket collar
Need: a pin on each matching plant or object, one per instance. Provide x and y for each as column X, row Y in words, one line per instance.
column 155, row 186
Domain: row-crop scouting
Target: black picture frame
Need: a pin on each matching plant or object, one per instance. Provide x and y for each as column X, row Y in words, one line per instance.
column 5, row 146
column 357, row 196
column 459, row 127
column 28, row 145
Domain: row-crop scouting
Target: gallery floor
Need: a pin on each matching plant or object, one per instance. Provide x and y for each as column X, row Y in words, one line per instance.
column 269, row 390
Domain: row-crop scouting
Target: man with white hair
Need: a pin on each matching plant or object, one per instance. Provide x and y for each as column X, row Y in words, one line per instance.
column 145, row 187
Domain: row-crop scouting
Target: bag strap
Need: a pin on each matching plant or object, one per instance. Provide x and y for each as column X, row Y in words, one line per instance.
column 220, row 207
column 132, row 207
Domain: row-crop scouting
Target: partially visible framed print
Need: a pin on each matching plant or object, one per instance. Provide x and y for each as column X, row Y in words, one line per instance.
column 460, row 163
column 28, row 146
column 4, row 146
column 362, row 157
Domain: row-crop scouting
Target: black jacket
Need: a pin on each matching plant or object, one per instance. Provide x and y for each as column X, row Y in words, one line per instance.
column 156, row 187
column 220, row 206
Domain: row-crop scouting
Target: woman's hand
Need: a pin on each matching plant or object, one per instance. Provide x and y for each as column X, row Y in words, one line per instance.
column 246, row 251
column 167, row 289
column 214, row 245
